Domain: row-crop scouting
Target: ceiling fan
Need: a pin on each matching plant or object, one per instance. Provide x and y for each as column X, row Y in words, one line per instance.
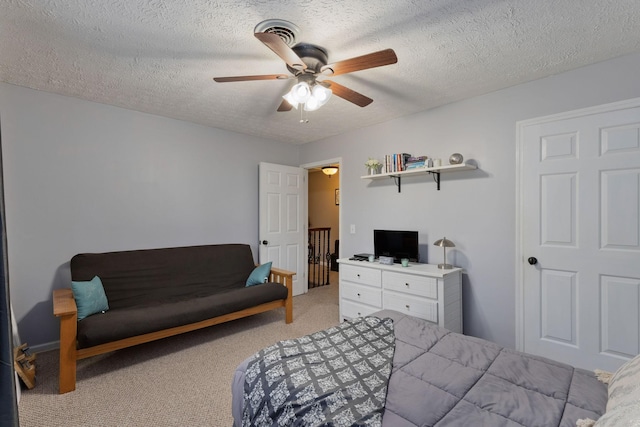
column 307, row 63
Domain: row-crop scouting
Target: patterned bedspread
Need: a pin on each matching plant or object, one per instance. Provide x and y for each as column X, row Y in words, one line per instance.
column 335, row 377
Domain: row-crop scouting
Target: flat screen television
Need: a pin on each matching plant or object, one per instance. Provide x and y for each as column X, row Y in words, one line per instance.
column 397, row 244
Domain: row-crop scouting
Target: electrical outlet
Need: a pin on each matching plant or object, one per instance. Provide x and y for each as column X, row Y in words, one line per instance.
column 352, row 229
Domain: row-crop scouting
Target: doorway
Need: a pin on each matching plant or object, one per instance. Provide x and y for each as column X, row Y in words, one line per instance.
column 323, row 215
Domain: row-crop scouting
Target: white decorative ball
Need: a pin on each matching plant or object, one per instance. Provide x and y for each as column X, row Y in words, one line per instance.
column 455, row 159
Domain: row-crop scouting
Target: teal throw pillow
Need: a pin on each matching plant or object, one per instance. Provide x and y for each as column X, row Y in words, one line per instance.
column 90, row 297
column 259, row 275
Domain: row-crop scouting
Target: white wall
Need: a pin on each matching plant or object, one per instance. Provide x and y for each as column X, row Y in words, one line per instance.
column 476, row 209
column 87, row 177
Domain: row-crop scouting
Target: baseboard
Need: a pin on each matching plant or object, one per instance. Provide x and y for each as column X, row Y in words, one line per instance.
column 41, row 348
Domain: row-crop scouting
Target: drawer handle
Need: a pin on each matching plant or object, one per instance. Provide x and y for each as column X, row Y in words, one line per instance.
column 406, row 284
column 359, row 314
column 358, row 294
column 407, row 306
column 358, row 275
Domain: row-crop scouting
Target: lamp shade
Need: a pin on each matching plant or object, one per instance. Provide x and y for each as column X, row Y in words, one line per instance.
column 330, row 170
column 444, row 243
column 321, row 93
column 301, row 92
column 312, row 104
column 289, row 98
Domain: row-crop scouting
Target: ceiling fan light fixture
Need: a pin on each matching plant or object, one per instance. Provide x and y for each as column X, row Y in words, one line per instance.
column 312, row 104
column 289, row 98
column 321, row 93
column 319, row 96
column 300, row 92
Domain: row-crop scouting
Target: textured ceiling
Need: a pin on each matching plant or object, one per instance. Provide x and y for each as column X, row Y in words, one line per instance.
column 159, row 56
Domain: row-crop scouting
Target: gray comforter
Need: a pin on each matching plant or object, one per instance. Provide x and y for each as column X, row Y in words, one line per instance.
column 440, row 378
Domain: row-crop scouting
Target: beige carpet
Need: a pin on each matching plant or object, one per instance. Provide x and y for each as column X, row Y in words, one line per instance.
column 178, row 381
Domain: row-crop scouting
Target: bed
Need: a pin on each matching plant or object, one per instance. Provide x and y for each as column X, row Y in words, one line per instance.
column 423, row 376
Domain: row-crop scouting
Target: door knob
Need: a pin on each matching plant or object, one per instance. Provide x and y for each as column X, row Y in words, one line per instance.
column 532, row 260
column 265, row 242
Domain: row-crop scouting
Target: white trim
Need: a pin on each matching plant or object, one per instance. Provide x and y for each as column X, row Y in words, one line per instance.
column 519, row 271
column 520, row 255
column 323, row 163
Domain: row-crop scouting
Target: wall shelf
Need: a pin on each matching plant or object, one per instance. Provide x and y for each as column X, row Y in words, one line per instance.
column 435, row 171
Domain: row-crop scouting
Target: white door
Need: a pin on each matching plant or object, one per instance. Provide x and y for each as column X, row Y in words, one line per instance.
column 580, row 232
column 282, row 220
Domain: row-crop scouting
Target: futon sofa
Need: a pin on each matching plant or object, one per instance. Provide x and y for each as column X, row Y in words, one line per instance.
column 157, row 293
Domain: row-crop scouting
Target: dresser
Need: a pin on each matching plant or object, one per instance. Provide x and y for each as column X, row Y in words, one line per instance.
column 420, row 290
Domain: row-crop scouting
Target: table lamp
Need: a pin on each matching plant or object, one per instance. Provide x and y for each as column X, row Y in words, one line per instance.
column 445, row 243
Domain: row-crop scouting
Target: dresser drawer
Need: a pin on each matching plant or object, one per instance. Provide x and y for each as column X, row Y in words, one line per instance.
column 415, row 285
column 362, row 275
column 362, row 294
column 412, row 305
column 351, row 310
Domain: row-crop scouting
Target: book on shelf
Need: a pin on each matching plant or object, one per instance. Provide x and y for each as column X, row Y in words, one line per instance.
column 413, row 159
column 395, row 162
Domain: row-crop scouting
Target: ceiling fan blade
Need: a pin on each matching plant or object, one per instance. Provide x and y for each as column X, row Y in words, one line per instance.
column 247, row 78
column 371, row 60
column 276, row 44
column 348, row 94
column 285, row 106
